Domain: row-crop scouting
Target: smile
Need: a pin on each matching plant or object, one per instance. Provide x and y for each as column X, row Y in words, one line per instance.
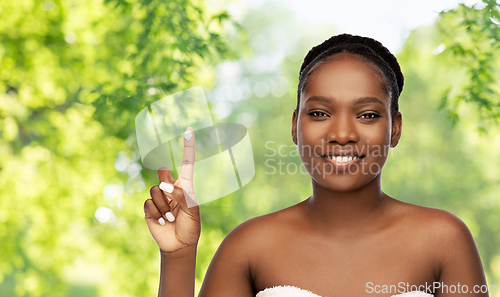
column 342, row 158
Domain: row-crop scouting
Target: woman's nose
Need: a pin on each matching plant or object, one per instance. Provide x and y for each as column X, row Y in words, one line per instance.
column 342, row 131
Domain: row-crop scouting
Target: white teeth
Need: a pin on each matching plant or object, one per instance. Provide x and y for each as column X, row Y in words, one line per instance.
column 342, row 159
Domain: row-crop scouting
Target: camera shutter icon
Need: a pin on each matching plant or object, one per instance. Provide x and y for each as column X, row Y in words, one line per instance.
column 224, row 158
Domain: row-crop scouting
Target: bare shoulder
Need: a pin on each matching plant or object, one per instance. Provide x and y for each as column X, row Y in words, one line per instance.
column 435, row 222
column 447, row 235
column 449, row 246
column 232, row 267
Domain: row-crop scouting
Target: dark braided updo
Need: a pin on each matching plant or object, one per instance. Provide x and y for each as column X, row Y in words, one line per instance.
column 365, row 48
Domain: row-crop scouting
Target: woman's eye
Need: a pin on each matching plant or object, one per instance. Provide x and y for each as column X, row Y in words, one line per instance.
column 370, row 115
column 317, row 114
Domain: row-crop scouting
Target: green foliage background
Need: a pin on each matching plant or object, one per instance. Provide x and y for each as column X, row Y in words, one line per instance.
column 74, row 74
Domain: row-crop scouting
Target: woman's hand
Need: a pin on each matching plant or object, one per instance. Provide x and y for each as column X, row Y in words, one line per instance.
column 172, row 213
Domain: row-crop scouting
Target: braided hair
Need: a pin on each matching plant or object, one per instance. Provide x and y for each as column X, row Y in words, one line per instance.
column 365, row 48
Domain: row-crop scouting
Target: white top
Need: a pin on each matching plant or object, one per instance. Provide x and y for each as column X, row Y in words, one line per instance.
column 291, row 291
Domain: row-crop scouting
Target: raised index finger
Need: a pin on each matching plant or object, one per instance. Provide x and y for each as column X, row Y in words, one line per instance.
column 188, row 158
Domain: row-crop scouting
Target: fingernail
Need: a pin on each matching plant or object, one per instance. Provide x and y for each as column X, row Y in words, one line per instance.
column 166, row 187
column 188, row 135
column 170, row 217
column 161, row 221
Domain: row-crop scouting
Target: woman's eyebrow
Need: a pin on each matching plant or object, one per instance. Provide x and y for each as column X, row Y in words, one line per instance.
column 359, row 101
column 319, row 99
column 366, row 100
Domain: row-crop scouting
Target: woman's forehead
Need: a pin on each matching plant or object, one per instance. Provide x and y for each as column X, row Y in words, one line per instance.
column 346, row 77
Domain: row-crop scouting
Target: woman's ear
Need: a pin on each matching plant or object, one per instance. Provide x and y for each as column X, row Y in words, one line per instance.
column 396, row 129
column 294, row 126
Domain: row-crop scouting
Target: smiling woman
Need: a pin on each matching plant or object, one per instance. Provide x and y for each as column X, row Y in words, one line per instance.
column 345, row 113
column 348, row 234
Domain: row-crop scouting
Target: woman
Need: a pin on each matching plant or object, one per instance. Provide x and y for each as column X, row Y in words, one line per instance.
column 348, row 238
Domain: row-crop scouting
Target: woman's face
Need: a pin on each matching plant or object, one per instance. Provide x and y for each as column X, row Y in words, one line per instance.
column 343, row 127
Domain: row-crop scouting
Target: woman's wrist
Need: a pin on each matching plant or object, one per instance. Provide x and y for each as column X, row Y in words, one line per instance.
column 184, row 252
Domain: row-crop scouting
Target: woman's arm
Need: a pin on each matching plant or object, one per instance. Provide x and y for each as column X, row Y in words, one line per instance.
column 173, row 218
column 461, row 271
column 228, row 274
column 178, row 273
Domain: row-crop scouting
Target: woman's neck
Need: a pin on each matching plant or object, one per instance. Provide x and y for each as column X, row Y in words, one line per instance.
column 352, row 212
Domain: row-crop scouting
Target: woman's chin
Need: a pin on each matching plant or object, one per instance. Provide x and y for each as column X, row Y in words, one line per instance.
column 343, row 182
